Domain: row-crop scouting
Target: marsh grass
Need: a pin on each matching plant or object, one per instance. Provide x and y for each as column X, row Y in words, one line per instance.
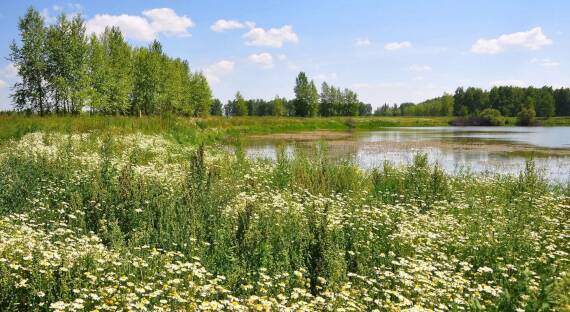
column 132, row 221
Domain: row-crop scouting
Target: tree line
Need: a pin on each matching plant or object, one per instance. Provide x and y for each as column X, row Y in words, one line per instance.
column 507, row 101
column 308, row 102
column 64, row 71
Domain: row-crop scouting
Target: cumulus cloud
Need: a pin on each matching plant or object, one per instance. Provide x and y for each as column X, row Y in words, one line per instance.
column 223, row 25
column 361, row 42
column 215, row 72
column 265, row 60
column 274, row 37
column 547, row 63
column 165, row 20
column 419, row 68
column 392, row 46
column 533, row 39
column 143, row 28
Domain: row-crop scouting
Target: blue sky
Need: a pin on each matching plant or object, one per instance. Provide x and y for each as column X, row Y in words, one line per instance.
column 391, row 52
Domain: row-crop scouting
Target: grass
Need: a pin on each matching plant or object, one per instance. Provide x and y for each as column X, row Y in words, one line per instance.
column 555, row 121
column 118, row 219
column 215, row 129
column 197, row 130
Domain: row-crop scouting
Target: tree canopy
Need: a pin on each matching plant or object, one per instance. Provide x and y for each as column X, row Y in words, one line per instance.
column 63, row 71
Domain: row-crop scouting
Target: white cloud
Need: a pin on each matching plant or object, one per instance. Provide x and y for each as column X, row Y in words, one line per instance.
column 419, row 68
column 265, row 60
column 69, row 9
column 274, row 37
column 75, row 7
column 216, row 71
column 547, row 63
column 147, row 28
column 533, row 39
column 48, row 18
column 282, row 57
column 360, row 42
column 8, row 75
column 9, row 71
column 392, row 46
column 165, row 20
column 223, row 25
column 331, row 76
column 509, row 82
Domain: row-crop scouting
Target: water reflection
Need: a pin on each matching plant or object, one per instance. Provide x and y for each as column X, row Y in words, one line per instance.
column 477, row 150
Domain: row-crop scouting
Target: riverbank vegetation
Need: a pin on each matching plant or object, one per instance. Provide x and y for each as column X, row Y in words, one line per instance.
column 194, row 130
column 102, row 220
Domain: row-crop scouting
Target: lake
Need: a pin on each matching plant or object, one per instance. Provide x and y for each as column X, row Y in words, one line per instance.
column 456, row 149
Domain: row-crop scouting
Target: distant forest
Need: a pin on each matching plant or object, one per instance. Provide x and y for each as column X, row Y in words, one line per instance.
column 63, row 70
column 507, row 100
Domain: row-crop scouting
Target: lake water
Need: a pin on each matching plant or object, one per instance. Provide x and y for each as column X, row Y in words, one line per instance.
column 456, row 149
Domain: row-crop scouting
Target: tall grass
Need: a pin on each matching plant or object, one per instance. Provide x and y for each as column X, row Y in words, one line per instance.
column 134, row 221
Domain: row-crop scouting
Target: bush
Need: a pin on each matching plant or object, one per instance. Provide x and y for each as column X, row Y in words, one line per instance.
column 491, row 117
column 526, row 117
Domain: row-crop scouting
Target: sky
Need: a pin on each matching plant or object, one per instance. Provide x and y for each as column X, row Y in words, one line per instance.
column 386, row 51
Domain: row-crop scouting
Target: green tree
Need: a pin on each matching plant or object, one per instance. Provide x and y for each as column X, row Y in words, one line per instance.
column 29, row 58
column 326, row 108
column 217, row 108
column 545, row 104
column 58, row 63
column 306, row 96
column 147, row 79
column 200, row 94
column 98, row 80
column 562, row 98
column 278, row 107
column 67, row 64
column 351, row 103
column 240, row 105
column 117, row 72
column 527, row 115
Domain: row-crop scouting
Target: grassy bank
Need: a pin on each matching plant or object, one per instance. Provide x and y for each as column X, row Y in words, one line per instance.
column 139, row 222
column 194, row 130
column 215, row 129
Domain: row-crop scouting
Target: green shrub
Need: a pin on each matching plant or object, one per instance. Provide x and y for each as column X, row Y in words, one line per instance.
column 491, row 117
column 526, row 117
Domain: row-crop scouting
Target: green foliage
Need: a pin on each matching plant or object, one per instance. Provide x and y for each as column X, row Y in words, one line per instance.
column 306, row 97
column 491, row 117
column 526, row 117
column 278, row 107
column 64, row 72
column 440, row 106
column 139, row 221
column 240, row 105
column 31, row 93
column 217, row 108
